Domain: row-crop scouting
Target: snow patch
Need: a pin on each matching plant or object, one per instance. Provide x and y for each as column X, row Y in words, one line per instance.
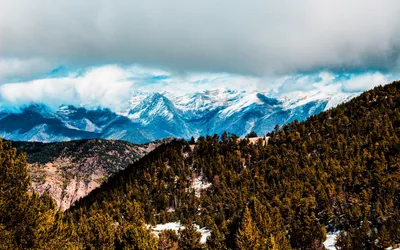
column 199, row 184
column 331, row 239
column 176, row 226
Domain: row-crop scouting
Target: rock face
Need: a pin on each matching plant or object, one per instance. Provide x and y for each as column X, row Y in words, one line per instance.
column 70, row 170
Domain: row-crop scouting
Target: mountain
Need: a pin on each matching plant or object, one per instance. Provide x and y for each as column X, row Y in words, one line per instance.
column 152, row 116
column 68, row 171
column 337, row 171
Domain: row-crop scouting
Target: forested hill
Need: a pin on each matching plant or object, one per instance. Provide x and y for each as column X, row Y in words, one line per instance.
column 338, row 170
column 70, row 170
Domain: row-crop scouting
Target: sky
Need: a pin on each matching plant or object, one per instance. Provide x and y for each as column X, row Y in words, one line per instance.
column 96, row 52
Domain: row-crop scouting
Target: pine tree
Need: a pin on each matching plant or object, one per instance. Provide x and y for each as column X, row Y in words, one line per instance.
column 13, row 188
column 384, row 238
column 167, row 240
column 189, row 238
column 25, row 220
column 132, row 236
column 99, row 232
column 217, row 239
column 248, row 235
column 252, row 134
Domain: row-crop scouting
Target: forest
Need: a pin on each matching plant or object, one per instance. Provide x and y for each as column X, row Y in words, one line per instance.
column 336, row 171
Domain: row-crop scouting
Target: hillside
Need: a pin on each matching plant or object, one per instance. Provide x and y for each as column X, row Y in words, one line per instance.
column 335, row 172
column 339, row 170
column 70, row 170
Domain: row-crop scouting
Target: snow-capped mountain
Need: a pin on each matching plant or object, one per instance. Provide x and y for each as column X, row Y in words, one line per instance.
column 153, row 116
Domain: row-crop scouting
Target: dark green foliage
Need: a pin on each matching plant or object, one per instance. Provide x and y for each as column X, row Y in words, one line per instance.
column 252, row 134
column 189, row 238
column 26, row 220
column 168, row 240
column 217, row 239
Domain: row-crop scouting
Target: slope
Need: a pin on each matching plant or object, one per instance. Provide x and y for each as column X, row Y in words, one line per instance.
column 70, row 170
column 338, row 170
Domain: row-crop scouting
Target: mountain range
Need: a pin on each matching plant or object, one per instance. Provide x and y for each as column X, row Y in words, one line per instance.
column 336, row 173
column 152, row 116
column 328, row 182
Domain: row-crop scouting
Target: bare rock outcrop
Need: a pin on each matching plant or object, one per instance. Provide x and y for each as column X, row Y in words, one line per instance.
column 68, row 171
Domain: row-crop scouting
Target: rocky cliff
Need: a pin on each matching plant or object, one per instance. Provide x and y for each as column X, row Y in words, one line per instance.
column 68, row 171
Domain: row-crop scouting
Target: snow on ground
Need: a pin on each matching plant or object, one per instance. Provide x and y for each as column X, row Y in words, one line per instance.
column 199, row 184
column 205, row 233
column 176, row 226
column 331, row 238
column 170, row 210
column 330, row 241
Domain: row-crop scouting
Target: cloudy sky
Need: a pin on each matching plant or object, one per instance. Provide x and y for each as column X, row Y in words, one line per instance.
column 50, row 47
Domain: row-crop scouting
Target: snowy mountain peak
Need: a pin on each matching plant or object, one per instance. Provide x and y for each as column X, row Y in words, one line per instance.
column 155, row 105
column 153, row 116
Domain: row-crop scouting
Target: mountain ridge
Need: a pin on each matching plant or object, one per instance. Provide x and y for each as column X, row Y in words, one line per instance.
column 153, row 116
column 335, row 172
column 68, row 171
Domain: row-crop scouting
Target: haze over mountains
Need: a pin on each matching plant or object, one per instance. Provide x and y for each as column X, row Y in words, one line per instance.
column 151, row 116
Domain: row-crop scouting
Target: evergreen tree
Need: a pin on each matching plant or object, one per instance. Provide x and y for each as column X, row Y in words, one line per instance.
column 167, row 240
column 252, row 134
column 135, row 237
column 189, row 238
column 26, row 221
column 248, row 235
column 384, row 238
column 216, row 240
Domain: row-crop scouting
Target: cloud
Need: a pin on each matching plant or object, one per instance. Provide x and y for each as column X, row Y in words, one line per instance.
column 327, row 83
column 113, row 86
column 105, row 87
column 15, row 69
column 300, row 83
column 363, row 82
column 256, row 37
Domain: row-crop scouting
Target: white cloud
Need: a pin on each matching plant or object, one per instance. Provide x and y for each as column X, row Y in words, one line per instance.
column 113, row 86
column 326, row 83
column 105, row 87
column 256, row 37
column 363, row 82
